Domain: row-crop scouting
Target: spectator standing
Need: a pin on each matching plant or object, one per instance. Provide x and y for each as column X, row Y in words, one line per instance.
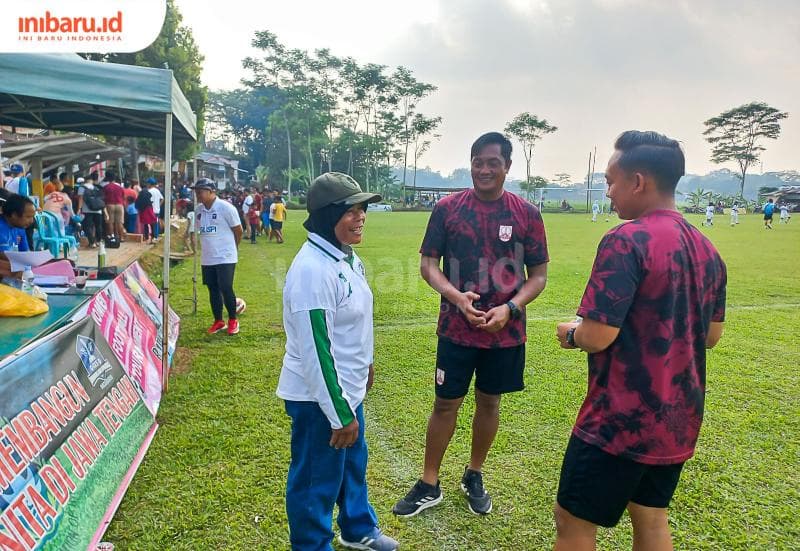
column 157, row 200
column 114, row 196
column 91, row 205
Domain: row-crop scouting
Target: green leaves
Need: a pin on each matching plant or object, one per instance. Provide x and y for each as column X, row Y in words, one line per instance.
column 529, row 129
column 735, row 134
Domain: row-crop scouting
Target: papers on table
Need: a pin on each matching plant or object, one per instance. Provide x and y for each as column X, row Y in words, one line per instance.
column 56, row 290
column 51, row 281
column 28, row 258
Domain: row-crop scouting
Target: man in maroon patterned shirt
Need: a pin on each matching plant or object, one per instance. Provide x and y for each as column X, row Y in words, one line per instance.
column 654, row 303
column 486, row 239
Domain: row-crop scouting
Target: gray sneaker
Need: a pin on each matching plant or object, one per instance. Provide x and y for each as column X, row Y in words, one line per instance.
column 381, row 543
column 420, row 497
column 478, row 499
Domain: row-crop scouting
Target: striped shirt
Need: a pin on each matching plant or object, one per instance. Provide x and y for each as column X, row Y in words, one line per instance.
column 327, row 316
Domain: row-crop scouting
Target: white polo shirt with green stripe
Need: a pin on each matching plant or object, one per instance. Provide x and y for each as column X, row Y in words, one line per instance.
column 327, row 316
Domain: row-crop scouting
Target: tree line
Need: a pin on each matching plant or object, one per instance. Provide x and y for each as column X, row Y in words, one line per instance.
column 301, row 113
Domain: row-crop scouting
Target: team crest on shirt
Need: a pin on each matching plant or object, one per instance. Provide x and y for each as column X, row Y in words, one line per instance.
column 505, row 233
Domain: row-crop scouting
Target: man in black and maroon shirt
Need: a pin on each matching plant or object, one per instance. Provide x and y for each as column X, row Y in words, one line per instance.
column 654, row 303
column 486, row 239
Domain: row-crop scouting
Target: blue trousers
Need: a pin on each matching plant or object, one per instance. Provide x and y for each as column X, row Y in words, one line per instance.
column 320, row 477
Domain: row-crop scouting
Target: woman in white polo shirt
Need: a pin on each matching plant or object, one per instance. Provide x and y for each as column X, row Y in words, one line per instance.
column 327, row 370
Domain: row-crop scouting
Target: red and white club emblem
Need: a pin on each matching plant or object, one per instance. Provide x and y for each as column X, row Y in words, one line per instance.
column 505, row 233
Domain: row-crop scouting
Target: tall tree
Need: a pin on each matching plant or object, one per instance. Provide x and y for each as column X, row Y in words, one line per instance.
column 176, row 49
column 736, row 133
column 563, row 179
column 409, row 92
column 421, row 127
column 528, row 129
column 243, row 115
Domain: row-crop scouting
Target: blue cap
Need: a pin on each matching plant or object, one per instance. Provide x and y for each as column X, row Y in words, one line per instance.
column 16, row 168
column 150, row 181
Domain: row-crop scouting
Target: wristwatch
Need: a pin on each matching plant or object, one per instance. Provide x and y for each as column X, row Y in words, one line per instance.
column 571, row 337
column 515, row 312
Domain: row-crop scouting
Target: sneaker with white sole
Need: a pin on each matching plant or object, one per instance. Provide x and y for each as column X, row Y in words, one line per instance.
column 422, row 496
column 478, row 499
column 380, row 543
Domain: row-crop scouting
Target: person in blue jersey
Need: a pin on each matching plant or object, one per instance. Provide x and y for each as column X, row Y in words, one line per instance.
column 769, row 210
column 16, row 214
column 327, row 371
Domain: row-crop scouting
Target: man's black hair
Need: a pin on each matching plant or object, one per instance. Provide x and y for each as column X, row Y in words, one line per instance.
column 15, row 204
column 654, row 154
column 492, row 138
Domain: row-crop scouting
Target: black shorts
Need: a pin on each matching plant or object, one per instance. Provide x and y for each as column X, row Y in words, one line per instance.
column 768, row 217
column 218, row 274
column 277, row 226
column 596, row 486
column 497, row 370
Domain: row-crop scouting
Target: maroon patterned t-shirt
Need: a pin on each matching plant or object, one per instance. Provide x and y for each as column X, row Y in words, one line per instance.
column 662, row 283
column 485, row 247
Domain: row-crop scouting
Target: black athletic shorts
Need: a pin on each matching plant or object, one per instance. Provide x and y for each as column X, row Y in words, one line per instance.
column 497, row 370
column 768, row 217
column 596, row 486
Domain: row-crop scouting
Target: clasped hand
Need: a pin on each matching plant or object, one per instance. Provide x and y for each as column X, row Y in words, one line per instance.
column 491, row 321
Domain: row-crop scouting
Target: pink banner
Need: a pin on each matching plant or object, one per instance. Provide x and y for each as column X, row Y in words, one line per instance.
column 128, row 312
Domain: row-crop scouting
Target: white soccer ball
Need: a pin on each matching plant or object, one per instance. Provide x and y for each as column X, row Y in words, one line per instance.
column 241, row 305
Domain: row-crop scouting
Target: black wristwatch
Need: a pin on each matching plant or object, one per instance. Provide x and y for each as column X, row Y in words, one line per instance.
column 515, row 312
column 571, row 337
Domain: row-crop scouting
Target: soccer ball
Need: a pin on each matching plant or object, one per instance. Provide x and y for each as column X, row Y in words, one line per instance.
column 241, row 305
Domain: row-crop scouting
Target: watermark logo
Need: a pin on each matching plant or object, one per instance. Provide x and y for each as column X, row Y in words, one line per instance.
column 69, row 26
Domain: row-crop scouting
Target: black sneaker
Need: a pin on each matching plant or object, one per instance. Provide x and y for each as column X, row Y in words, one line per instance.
column 480, row 502
column 421, row 497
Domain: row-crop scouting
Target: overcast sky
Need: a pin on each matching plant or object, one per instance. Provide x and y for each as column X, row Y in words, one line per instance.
column 593, row 68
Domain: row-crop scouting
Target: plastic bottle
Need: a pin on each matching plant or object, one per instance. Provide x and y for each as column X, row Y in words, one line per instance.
column 73, row 254
column 101, row 255
column 27, row 280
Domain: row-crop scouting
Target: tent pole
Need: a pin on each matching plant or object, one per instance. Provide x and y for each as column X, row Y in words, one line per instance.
column 196, row 243
column 167, row 235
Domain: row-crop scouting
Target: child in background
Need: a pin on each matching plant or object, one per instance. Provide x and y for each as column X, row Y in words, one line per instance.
column 784, row 213
column 709, row 215
column 188, row 237
column 253, row 219
column 131, row 215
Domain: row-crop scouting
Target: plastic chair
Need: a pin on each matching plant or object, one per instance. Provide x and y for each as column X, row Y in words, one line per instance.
column 51, row 235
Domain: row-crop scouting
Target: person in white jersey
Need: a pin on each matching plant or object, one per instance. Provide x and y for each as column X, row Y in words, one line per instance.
column 735, row 214
column 784, row 213
column 709, row 215
column 327, row 371
column 220, row 232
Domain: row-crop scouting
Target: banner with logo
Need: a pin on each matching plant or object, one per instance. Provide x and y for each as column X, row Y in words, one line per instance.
column 128, row 312
column 73, row 429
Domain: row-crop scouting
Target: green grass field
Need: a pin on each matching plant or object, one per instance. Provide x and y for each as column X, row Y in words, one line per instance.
column 214, row 476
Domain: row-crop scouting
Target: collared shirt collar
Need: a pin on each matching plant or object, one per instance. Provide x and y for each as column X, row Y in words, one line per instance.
column 326, row 247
